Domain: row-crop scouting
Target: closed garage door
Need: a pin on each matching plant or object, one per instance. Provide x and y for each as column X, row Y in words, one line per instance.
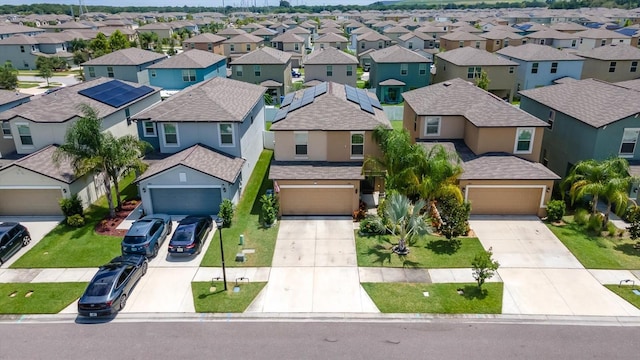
column 196, row 201
column 505, row 201
column 30, row 202
column 316, row 201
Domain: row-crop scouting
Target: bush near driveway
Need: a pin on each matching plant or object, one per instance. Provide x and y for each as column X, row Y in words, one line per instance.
column 46, row 298
column 219, row 301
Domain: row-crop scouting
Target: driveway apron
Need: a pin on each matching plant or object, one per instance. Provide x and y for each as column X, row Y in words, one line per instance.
column 541, row 276
column 314, row 269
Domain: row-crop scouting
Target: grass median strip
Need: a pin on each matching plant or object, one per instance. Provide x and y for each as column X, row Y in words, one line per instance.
column 626, row 292
column 38, row 298
column 210, row 297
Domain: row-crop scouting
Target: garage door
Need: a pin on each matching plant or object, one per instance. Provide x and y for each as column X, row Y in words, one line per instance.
column 196, row 201
column 316, row 201
column 505, row 201
column 30, row 202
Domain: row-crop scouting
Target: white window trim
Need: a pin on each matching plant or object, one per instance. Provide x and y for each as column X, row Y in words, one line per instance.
column 628, row 155
column 233, row 135
column 20, row 137
column 164, row 137
column 404, row 68
column 352, row 156
column 426, row 120
column 10, row 134
column 295, row 143
column 533, row 135
column 144, row 129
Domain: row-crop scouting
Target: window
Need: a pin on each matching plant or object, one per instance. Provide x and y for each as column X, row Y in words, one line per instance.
column 127, row 113
column 362, row 45
column 573, row 43
column 248, row 47
column 554, row 67
column 404, row 69
column 432, row 126
column 524, row 41
column 474, row 72
column 301, row 143
column 226, row 134
column 257, row 70
column 296, row 47
column 209, row 47
column 357, row 145
column 379, row 44
column 477, row 44
column 321, row 46
column 629, row 140
column 110, row 71
column 189, row 75
column 612, row 66
column 511, row 69
column 152, row 73
column 603, row 42
column 422, row 69
column 25, row 134
column 170, row 131
column 551, row 119
column 534, row 68
column 524, row 141
column 92, row 71
column 541, row 41
column 497, row 42
column 329, row 70
column 634, row 66
column 239, row 70
column 232, row 47
column 6, row 130
column 21, row 48
column 349, row 70
column 545, row 158
column 506, row 42
column 149, row 129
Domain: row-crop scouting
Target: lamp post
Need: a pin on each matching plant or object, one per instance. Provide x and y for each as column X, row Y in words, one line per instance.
column 219, row 223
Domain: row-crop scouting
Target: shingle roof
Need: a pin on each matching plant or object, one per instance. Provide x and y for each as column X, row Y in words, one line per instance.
column 500, row 34
column 200, row 158
column 288, row 37
column 503, row 166
column 192, row 59
column 315, row 170
column 154, row 26
column 19, row 40
column 263, row 55
column 392, row 82
column 332, row 111
column 396, row 30
column 462, row 36
column 419, row 35
column 612, row 52
column 300, row 30
column 397, row 54
column 535, row 52
column 589, row 101
column 600, row 34
column 41, row 162
column 459, row 97
column 264, row 32
column 552, row 34
column 466, row 56
column 129, row 56
column 243, row 39
column 231, row 31
column 271, row 83
column 329, row 55
column 568, row 26
column 362, row 30
column 331, row 37
column 8, row 96
column 630, row 84
column 430, row 29
column 17, row 29
column 216, row 100
column 372, row 36
column 205, row 38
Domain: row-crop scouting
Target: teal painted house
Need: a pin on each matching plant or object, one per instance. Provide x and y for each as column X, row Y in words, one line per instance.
column 186, row 69
column 395, row 70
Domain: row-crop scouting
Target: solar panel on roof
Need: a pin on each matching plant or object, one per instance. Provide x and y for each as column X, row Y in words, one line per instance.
column 321, row 88
column 375, row 103
column 306, row 101
column 367, row 107
column 309, row 94
column 115, row 93
column 281, row 114
column 287, row 99
column 352, row 95
column 295, row 104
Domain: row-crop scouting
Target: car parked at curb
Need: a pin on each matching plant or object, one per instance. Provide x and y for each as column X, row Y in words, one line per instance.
column 146, row 235
column 13, row 237
column 109, row 289
column 190, row 235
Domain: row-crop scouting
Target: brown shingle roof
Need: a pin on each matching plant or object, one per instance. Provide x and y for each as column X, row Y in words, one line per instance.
column 130, row 56
column 372, row 36
column 330, row 56
column 205, row 38
column 316, row 170
column 331, row 37
column 552, row 34
column 535, row 52
column 461, row 36
column 466, row 56
column 500, row 34
column 600, row 34
column 397, row 54
column 19, row 40
column 396, row 30
column 7, row 96
column 264, row 55
column 500, row 167
column 192, row 59
column 612, row 52
column 244, row 39
column 231, row 31
column 41, row 162
column 288, row 37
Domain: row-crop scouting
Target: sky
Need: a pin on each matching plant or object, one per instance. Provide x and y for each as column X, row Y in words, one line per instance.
column 208, row 3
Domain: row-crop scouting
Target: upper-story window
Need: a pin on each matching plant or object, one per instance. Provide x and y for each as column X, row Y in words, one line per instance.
column 357, row 145
column 524, row 141
column 21, row 48
column 329, row 70
column 554, row 67
column 248, row 47
column 209, row 46
column 110, row 71
column 349, row 70
column 461, row 44
column 422, row 69
column 474, row 72
column 6, row 130
column 477, row 44
column 410, row 45
column 603, row 42
column 534, row 68
column 296, row 47
column 629, row 140
column 506, row 42
column 152, row 72
column 170, row 131
column 232, row 47
column 634, row 66
column 404, row 69
column 149, row 129
column 551, row 119
column 239, row 70
column 25, row 134
column 612, row 66
column 189, row 75
column 257, row 70
column 380, row 45
column 362, row 45
column 301, row 139
column 432, row 126
column 226, row 134
column 92, row 71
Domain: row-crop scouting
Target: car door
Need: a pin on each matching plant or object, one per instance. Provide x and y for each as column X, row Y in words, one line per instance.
column 156, row 233
column 124, row 281
column 15, row 243
column 4, row 250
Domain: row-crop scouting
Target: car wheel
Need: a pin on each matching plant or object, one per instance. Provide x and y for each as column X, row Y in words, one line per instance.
column 145, row 265
column 26, row 240
column 123, row 301
column 156, row 248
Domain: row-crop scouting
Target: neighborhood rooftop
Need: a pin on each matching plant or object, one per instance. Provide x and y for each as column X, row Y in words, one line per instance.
column 192, row 59
column 468, row 56
column 130, row 56
column 263, row 56
column 535, row 52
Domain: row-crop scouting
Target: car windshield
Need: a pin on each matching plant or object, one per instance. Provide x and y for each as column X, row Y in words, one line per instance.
column 134, row 239
column 99, row 287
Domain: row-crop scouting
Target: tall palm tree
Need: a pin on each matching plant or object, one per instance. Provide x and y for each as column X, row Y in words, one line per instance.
column 406, row 221
column 123, row 155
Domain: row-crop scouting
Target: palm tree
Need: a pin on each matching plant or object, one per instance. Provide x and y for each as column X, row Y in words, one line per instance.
column 405, row 221
column 124, row 154
column 440, row 175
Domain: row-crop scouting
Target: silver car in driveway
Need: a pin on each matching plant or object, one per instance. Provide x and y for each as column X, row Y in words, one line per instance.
column 146, row 235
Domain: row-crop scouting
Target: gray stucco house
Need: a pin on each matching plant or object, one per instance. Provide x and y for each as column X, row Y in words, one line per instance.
column 126, row 64
column 265, row 66
column 331, row 64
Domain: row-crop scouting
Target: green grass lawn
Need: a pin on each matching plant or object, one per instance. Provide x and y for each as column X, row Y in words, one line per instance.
column 624, row 292
column 219, row 301
column 67, row 246
column 27, row 84
column 247, row 222
column 46, row 298
column 35, row 73
column 396, row 124
column 442, row 299
column 429, row 251
column 360, row 84
column 597, row 252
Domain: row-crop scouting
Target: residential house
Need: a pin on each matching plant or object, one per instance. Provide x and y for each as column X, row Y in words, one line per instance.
column 292, row 44
column 371, row 40
column 304, row 34
column 468, row 63
column 395, row 32
column 331, row 64
column 240, row 45
column 417, row 40
column 280, row 28
column 499, row 39
column 127, row 64
column 7, row 31
column 353, row 37
column 459, row 39
column 230, row 32
column 593, row 38
column 265, row 66
column 568, row 27
column 499, row 145
column 266, row 34
column 22, row 51
column 9, row 99
column 251, row 27
column 331, row 40
column 433, row 31
column 186, row 69
column 163, row 30
column 541, row 65
column 209, row 139
column 322, row 136
column 554, row 38
column 395, row 70
column 207, row 42
column 611, row 63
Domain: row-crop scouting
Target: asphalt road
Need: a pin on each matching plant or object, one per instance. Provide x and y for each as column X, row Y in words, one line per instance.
column 315, row 340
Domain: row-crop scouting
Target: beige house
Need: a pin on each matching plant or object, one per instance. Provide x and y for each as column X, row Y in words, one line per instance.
column 292, row 44
column 331, row 40
column 611, row 63
column 499, row 39
column 208, row 42
column 459, row 39
column 468, row 63
column 395, row 32
column 230, row 32
column 499, row 145
column 265, row 66
column 331, row 64
column 593, row 38
column 163, row 30
column 371, row 40
column 240, row 45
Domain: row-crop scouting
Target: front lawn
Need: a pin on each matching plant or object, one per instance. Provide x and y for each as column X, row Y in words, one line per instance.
column 247, row 222
column 625, row 292
column 397, row 125
column 429, row 251
column 69, row 247
column 442, row 299
column 597, row 252
column 38, row 298
column 219, row 301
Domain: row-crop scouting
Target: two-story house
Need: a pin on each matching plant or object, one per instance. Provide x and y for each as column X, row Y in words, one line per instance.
column 541, row 65
column 163, row 30
column 292, row 44
column 322, row 136
column 331, row 64
column 207, row 42
column 499, row 145
column 371, row 40
column 499, row 39
column 9, row 99
column 611, row 63
column 593, row 38
column 395, row 32
column 127, row 64
column 459, row 39
column 331, row 40
column 553, row 38
column 186, row 69
column 265, row 66
column 240, row 45
column 395, row 70
column 230, row 32
column 266, row 34
column 417, row 41
column 209, row 138
column 468, row 63
column 9, row 30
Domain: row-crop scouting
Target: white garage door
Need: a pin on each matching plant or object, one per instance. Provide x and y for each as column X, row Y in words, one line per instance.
column 30, row 202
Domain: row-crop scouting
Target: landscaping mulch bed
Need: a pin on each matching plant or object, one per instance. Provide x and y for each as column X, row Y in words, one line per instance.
column 108, row 225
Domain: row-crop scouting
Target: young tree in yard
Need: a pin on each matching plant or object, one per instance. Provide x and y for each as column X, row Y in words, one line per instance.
column 118, row 41
column 484, row 267
column 8, row 77
column 147, row 38
column 45, row 68
column 99, row 46
column 454, row 217
column 483, row 81
column 405, row 221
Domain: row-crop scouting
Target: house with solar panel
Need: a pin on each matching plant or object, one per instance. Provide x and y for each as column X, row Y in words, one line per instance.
column 265, row 66
column 186, row 69
column 322, row 136
column 28, row 175
column 127, row 64
column 207, row 140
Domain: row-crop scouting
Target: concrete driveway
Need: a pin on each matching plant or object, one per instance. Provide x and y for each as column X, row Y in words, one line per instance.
column 541, row 277
column 38, row 227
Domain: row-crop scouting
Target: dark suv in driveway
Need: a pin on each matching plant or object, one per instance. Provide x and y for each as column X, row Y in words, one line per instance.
column 146, row 235
column 13, row 236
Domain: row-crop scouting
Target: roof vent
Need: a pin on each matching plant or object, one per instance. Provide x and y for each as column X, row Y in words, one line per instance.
column 446, row 83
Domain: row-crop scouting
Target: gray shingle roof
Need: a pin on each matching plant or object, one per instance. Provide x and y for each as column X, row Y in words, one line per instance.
column 216, row 100
column 392, row 82
column 231, row 31
column 244, row 39
column 7, row 96
column 630, row 84
column 372, row 36
column 612, row 52
column 535, row 52
column 200, row 158
column 505, row 167
column 396, row 30
column 500, row 34
column 552, row 34
column 462, row 36
column 264, row 32
column 419, row 35
column 590, row 101
column 330, row 56
column 19, row 40
column 192, row 59
column 397, row 54
column 316, row 170
column 130, row 56
column 568, row 26
column 467, row 56
column 17, row 29
column 41, row 162
column 288, row 37
column 459, row 97
column 205, row 38
column 600, row 34
column 263, row 55
column 331, row 37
